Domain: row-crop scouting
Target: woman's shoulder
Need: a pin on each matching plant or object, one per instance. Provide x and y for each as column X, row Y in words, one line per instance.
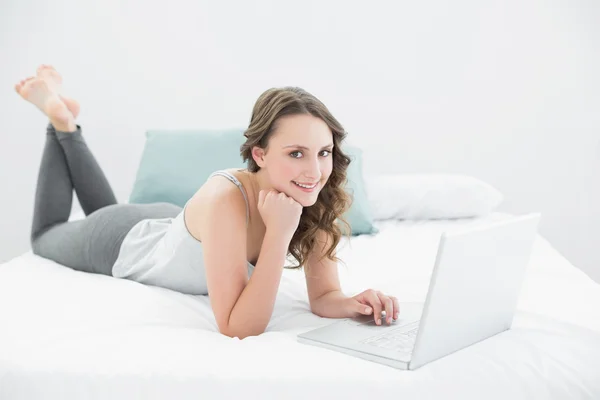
column 242, row 175
column 215, row 197
column 239, row 189
column 213, row 189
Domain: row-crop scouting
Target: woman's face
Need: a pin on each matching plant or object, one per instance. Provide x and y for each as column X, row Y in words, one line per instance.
column 299, row 152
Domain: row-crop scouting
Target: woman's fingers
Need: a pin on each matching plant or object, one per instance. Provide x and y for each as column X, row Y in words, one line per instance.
column 388, row 305
column 373, row 299
column 396, row 307
column 380, row 302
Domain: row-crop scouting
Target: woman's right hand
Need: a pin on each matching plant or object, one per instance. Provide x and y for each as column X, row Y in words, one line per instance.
column 279, row 212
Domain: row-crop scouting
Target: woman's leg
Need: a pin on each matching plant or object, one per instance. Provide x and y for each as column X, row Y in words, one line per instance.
column 92, row 244
column 87, row 245
column 67, row 164
column 54, row 190
column 88, row 180
column 52, row 236
column 90, row 183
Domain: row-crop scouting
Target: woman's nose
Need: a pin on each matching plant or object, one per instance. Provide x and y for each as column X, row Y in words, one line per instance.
column 314, row 171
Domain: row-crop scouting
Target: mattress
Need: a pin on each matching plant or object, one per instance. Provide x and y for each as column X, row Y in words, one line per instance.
column 66, row 334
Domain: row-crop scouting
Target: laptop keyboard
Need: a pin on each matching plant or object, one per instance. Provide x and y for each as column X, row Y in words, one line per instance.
column 401, row 340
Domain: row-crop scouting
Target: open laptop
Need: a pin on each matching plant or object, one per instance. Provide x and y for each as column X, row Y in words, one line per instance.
column 473, row 293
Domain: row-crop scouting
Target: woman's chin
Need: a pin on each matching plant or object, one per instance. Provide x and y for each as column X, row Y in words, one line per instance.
column 307, row 202
column 306, row 199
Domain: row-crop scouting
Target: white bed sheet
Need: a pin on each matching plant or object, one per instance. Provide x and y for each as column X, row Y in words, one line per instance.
column 66, row 334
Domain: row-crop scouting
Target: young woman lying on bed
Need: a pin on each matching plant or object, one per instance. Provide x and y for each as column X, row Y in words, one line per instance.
column 231, row 239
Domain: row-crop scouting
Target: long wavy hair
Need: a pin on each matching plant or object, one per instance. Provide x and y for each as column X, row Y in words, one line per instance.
column 333, row 201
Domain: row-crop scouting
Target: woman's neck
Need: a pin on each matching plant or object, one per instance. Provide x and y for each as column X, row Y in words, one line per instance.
column 260, row 181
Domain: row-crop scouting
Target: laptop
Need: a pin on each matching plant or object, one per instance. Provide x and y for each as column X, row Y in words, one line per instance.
column 473, row 294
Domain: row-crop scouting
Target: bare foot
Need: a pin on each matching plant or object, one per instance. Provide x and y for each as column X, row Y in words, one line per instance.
column 36, row 91
column 54, row 80
column 71, row 104
column 51, row 76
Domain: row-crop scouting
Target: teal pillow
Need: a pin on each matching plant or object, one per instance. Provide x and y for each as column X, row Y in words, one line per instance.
column 359, row 214
column 176, row 163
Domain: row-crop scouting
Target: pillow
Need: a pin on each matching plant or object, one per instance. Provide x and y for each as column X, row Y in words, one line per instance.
column 430, row 196
column 176, row 163
column 359, row 215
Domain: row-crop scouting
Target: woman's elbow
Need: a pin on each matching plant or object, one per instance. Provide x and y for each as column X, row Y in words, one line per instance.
column 238, row 333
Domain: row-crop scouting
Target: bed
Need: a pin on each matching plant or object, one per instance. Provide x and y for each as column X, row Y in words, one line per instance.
column 66, row 334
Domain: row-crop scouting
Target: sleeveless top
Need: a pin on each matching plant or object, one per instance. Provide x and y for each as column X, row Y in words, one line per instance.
column 162, row 252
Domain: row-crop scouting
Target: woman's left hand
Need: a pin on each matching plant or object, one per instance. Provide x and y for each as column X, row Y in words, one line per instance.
column 373, row 301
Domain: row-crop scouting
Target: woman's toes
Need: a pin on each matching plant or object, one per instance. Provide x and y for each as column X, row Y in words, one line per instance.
column 51, row 75
column 22, row 82
column 41, row 68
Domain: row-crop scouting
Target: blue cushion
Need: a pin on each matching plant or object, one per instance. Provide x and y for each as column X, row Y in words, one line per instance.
column 359, row 215
column 176, row 163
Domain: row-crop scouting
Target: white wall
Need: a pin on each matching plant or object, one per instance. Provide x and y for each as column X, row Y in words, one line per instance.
column 506, row 91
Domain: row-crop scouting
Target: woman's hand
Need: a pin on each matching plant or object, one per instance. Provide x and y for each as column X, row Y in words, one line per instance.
column 373, row 301
column 279, row 212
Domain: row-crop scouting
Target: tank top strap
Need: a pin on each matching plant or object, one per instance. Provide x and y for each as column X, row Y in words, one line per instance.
column 239, row 185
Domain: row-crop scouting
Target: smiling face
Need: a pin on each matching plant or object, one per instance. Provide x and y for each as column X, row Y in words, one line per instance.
column 298, row 159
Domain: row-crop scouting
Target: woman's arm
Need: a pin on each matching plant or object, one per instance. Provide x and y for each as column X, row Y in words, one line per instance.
column 253, row 309
column 322, row 281
column 242, row 306
column 325, row 295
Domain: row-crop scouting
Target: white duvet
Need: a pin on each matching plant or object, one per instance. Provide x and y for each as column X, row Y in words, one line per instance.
column 66, row 334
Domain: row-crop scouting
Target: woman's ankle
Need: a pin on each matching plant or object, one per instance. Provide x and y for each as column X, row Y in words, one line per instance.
column 64, row 126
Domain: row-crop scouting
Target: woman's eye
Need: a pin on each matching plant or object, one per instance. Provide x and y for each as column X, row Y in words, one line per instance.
column 299, row 152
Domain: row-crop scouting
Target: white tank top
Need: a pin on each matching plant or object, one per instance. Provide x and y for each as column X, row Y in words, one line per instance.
column 162, row 252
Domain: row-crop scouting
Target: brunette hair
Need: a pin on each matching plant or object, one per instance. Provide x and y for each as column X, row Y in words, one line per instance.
column 333, row 201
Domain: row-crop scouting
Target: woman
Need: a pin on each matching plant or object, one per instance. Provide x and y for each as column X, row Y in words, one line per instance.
column 230, row 240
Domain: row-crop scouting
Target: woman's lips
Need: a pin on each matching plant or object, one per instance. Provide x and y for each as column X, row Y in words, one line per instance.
column 306, row 190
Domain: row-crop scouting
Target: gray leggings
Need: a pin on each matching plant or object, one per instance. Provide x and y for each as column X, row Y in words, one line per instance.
column 91, row 244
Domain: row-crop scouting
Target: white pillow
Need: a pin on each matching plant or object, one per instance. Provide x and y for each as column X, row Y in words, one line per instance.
column 430, row 196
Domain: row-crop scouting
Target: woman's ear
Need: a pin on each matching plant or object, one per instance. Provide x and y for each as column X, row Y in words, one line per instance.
column 258, row 154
